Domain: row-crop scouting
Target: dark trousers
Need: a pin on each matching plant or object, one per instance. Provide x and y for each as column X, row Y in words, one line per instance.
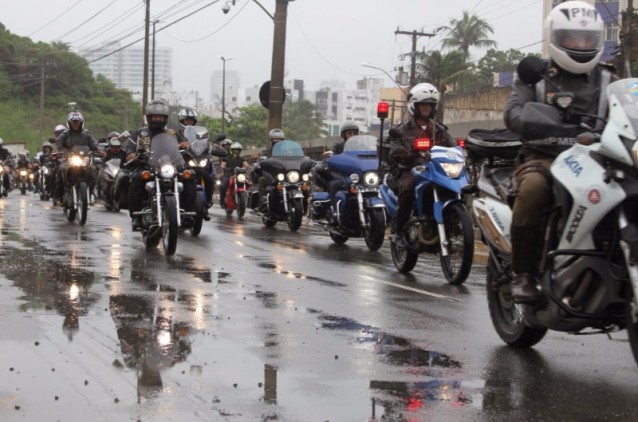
column 407, row 181
column 533, row 197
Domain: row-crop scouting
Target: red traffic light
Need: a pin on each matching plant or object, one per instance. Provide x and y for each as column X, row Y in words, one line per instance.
column 382, row 109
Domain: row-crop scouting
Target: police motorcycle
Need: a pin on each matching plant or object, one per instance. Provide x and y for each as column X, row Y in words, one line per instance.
column 287, row 198
column 78, row 180
column 197, row 157
column 589, row 270
column 162, row 216
column 359, row 209
column 446, row 228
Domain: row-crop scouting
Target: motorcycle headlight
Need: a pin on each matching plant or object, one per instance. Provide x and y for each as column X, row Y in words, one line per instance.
column 192, row 163
column 45, row 170
column 23, row 172
column 453, row 170
column 76, row 161
column 354, row 177
column 115, row 171
column 1, row 169
column 241, row 178
column 293, row 176
column 305, row 177
column 31, row 176
column 167, row 171
column 281, row 177
column 203, row 162
column 371, row 178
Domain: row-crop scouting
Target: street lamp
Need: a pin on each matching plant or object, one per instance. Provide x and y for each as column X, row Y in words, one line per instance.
column 387, row 74
column 224, row 59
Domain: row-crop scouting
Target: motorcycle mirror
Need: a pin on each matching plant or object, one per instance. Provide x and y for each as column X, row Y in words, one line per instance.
column 530, row 70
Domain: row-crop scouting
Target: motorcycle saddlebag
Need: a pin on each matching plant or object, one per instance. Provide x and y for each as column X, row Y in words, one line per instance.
column 320, row 204
column 492, row 143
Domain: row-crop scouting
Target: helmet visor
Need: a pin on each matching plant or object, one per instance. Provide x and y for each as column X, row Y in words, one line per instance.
column 581, row 46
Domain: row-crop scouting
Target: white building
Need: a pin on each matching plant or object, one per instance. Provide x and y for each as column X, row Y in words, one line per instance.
column 126, row 67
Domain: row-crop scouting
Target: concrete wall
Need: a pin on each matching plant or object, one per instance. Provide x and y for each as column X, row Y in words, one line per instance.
column 483, row 110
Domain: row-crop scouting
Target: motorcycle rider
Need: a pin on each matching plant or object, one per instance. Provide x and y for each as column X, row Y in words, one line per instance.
column 156, row 112
column 114, row 147
column 421, row 102
column 234, row 159
column 45, row 153
column 274, row 136
column 187, row 117
column 575, row 31
column 74, row 135
column 5, row 155
column 348, row 130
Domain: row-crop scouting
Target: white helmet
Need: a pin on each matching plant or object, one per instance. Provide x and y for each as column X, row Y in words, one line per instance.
column 423, row 93
column 575, row 32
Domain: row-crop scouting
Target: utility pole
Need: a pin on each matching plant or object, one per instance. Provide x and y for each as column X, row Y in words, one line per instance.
column 41, row 102
column 414, row 35
column 277, row 93
column 147, row 29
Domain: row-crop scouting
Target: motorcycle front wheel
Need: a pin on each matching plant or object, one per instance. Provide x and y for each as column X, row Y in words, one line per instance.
column 198, row 220
column 404, row 259
column 169, row 225
column 83, row 203
column 295, row 215
column 459, row 234
column 69, row 211
column 507, row 317
column 376, row 229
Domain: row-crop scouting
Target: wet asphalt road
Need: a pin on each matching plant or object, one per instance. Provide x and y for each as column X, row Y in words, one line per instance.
column 246, row 323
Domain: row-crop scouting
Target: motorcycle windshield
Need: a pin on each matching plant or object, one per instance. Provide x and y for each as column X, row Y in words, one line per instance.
column 287, row 149
column 164, row 149
column 361, row 144
column 193, row 133
column 198, row 148
column 626, row 92
column 80, row 149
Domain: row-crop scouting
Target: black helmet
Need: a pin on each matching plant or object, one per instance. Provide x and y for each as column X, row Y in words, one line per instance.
column 187, row 113
column 349, row 126
column 157, row 107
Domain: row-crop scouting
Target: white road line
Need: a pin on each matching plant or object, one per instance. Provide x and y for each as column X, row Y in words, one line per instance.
column 412, row 289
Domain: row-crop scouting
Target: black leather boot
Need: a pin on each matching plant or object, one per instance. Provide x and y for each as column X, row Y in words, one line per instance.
column 524, row 289
column 526, row 248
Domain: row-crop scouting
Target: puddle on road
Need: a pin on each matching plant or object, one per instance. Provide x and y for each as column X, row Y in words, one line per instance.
column 290, row 274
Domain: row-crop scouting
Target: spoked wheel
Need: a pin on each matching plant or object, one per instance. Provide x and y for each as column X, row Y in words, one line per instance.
column 169, row 225
column 268, row 222
column 83, row 203
column 241, row 205
column 69, row 211
column 376, row 229
column 507, row 317
column 198, row 220
column 295, row 216
column 338, row 239
column 460, row 243
column 631, row 312
column 404, row 259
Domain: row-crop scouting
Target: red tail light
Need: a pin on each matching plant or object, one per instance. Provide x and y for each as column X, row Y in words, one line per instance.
column 461, row 142
column 422, row 144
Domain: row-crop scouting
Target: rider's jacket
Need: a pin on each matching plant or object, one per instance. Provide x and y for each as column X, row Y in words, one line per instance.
column 232, row 161
column 69, row 138
column 401, row 150
column 589, row 97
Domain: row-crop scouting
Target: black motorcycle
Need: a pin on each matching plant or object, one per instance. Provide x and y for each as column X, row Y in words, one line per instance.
column 106, row 182
column 287, row 172
column 78, row 183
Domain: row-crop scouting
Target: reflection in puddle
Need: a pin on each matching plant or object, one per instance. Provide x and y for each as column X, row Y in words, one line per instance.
column 277, row 268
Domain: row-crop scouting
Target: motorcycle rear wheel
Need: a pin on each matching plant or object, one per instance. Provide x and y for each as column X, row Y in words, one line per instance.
column 198, row 220
column 507, row 317
column 296, row 215
column 169, row 225
column 242, row 197
column 375, row 233
column 69, row 212
column 338, row 239
column 632, row 324
column 83, row 203
column 459, row 233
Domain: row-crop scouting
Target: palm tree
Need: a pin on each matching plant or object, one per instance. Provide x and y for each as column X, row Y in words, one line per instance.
column 469, row 31
column 434, row 67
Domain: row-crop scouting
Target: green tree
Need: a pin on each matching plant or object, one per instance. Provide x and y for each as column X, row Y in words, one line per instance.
column 249, row 126
column 469, row 31
column 301, row 121
column 434, row 67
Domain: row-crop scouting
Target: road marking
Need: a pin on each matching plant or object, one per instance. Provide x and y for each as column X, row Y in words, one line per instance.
column 412, row 289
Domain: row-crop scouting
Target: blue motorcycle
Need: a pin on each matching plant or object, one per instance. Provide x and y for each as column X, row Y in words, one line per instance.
column 359, row 211
column 440, row 222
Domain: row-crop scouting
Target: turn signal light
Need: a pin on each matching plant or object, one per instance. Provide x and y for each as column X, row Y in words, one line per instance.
column 187, row 175
column 146, row 175
column 461, row 142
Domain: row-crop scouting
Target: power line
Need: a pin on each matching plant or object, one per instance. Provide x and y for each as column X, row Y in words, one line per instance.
column 215, row 31
column 56, row 18
column 87, row 21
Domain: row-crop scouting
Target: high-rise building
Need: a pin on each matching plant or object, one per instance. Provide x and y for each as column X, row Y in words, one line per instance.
column 126, row 67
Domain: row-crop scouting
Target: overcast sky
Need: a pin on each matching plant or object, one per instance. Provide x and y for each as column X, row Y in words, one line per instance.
column 326, row 39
